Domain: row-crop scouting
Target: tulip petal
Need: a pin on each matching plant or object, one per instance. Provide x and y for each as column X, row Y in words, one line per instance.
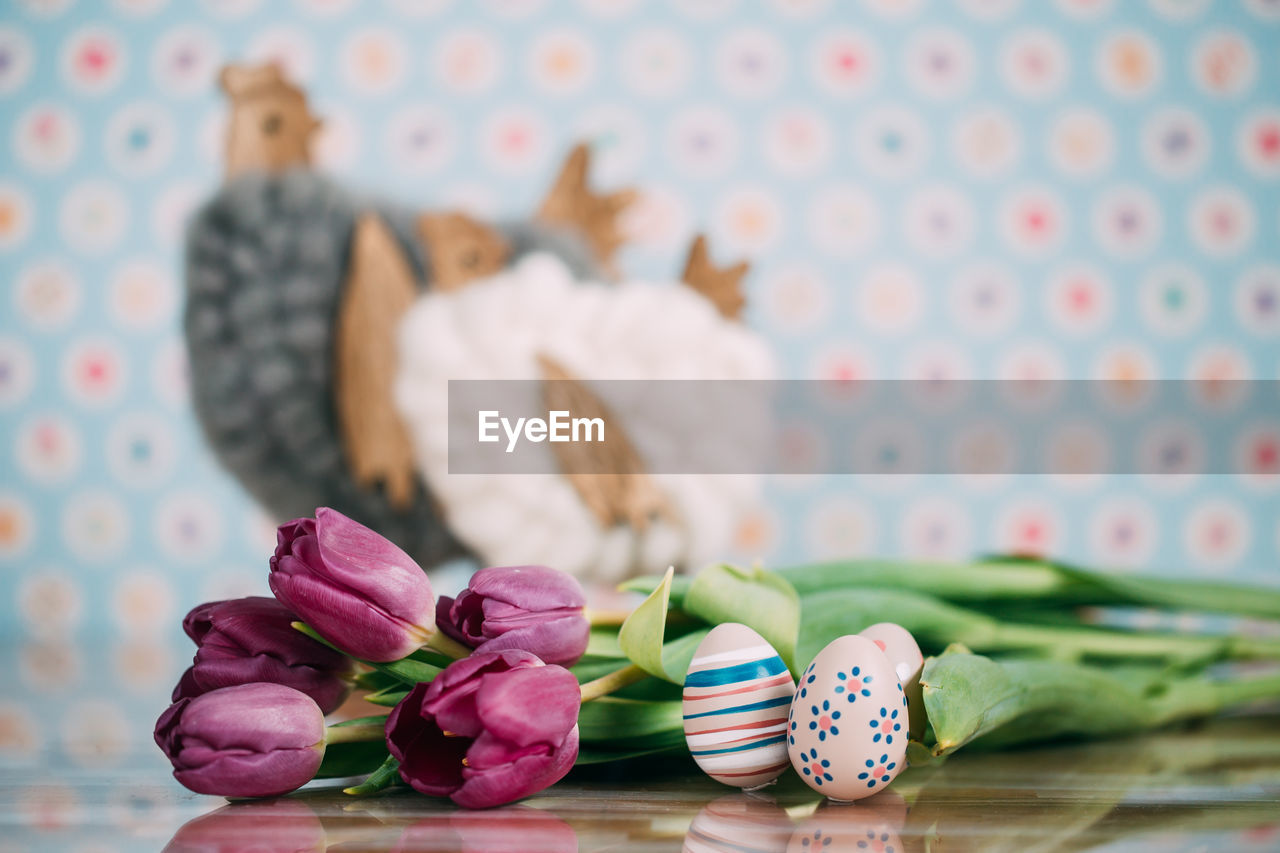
column 253, row 774
column 291, row 530
column 213, row 671
column 429, row 761
column 349, row 622
column 528, row 775
column 251, row 740
column 187, row 687
column 444, row 622
column 455, row 710
column 197, row 622
column 480, row 663
column 373, row 566
column 530, row 587
column 466, row 617
column 259, row 624
column 229, row 718
column 528, row 706
column 560, row 640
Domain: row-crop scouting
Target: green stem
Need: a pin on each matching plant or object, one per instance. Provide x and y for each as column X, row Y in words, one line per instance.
column 1200, row 697
column 355, row 734
column 976, row 581
column 447, row 646
column 614, row 681
column 1028, row 580
column 386, row 774
column 1071, row 643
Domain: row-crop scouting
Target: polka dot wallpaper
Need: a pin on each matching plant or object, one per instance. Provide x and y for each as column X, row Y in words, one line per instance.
column 977, row 188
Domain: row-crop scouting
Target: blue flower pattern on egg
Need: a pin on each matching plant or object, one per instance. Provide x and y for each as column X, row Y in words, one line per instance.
column 824, row 720
column 817, row 839
column 816, row 768
column 857, row 684
column 881, row 841
column 808, row 679
column 886, row 725
column 878, row 771
column 831, row 738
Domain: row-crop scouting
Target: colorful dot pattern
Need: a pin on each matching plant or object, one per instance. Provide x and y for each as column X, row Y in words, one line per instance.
column 984, row 188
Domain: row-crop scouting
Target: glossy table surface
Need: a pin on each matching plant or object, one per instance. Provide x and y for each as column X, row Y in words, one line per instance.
column 1213, row 788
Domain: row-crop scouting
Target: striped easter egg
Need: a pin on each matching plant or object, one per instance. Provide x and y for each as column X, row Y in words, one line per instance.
column 736, row 697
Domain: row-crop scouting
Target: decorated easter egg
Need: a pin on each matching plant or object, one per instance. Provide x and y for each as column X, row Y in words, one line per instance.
column 904, row 653
column 739, row 822
column 736, row 696
column 874, row 824
column 847, row 727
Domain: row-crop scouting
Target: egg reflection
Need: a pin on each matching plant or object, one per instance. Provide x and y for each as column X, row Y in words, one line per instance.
column 870, row 825
column 739, row 823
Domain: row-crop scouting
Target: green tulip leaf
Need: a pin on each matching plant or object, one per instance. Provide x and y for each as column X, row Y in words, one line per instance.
column 387, row 774
column 838, row 612
column 596, row 755
column 603, row 644
column 756, row 597
column 648, row 583
column 968, row 696
column 351, row 759
column 614, row 723
column 388, row 697
column 641, row 636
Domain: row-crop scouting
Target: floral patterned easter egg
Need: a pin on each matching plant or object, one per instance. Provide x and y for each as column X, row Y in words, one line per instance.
column 873, row 825
column 847, row 728
column 902, row 651
column 736, row 696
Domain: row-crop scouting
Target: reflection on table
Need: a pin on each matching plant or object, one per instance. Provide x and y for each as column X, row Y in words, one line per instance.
column 1216, row 787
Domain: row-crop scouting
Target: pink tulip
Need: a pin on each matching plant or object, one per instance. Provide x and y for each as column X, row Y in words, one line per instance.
column 356, row 588
column 250, row 640
column 252, row 740
column 533, row 608
column 490, row 729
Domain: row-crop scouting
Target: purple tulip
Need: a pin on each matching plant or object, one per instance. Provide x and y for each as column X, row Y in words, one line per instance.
column 252, row 740
column 250, row 640
column 490, row 729
column 354, row 587
column 533, row 608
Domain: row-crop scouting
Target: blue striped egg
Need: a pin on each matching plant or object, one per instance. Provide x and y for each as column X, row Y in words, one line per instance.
column 736, row 697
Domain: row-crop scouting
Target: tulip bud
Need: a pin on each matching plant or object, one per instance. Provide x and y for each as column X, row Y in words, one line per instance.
column 252, row 740
column 354, row 587
column 251, row 640
column 490, row 729
column 534, row 608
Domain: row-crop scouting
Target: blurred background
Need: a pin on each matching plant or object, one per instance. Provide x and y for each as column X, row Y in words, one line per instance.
column 979, row 188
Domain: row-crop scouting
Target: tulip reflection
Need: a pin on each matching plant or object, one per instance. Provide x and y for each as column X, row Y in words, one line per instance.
column 277, row 825
column 739, row 823
column 514, row 829
column 871, row 825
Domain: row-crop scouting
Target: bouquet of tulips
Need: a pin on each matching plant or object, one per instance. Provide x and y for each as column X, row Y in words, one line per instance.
column 498, row 693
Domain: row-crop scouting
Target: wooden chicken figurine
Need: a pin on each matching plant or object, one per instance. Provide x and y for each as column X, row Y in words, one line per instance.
column 300, row 300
